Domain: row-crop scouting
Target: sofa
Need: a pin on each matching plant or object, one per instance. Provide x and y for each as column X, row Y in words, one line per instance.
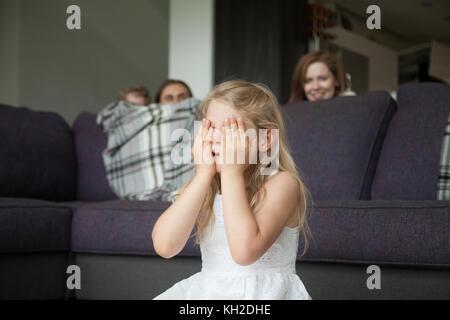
column 370, row 162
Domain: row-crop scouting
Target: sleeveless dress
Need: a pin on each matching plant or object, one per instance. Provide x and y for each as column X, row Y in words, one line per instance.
column 272, row 277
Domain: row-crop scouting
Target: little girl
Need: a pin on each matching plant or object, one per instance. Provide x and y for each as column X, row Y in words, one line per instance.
column 248, row 223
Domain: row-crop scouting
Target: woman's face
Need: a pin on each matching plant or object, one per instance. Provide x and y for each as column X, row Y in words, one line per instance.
column 320, row 83
column 174, row 93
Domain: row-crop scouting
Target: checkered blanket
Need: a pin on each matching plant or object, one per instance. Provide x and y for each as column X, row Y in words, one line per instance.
column 443, row 186
column 138, row 155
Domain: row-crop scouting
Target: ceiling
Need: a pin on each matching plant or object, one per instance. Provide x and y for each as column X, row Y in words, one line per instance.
column 418, row 21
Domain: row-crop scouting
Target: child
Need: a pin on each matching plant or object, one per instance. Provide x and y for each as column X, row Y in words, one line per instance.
column 136, row 95
column 248, row 223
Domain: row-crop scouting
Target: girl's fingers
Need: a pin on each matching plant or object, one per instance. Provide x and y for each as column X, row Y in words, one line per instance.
column 233, row 140
column 223, row 145
column 233, row 123
column 240, row 124
column 206, row 125
column 209, row 135
column 202, row 128
column 233, row 128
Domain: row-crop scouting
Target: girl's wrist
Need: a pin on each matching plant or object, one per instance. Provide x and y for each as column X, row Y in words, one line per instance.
column 233, row 169
column 204, row 176
column 231, row 174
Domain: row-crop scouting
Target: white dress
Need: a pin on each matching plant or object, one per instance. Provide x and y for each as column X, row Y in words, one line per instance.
column 272, row 277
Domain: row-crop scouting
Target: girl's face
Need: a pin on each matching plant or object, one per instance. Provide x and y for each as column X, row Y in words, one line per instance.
column 217, row 112
column 320, row 83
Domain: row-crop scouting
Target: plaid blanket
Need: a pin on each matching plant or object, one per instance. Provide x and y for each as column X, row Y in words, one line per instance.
column 138, row 155
column 443, row 186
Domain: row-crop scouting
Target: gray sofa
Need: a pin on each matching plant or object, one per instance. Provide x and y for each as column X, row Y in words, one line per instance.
column 370, row 162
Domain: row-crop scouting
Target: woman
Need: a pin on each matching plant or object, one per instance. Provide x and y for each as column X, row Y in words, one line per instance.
column 173, row 91
column 318, row 75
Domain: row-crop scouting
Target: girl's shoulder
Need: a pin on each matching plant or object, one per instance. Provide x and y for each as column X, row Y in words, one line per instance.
column 283, row 181
column 283, row 176
column 282, row 196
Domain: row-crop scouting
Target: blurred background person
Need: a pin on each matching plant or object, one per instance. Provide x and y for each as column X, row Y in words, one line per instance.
column 318, row 75
column 136, row 94
column 173, row 91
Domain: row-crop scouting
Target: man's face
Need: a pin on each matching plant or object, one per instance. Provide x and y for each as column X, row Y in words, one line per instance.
column 174, row 93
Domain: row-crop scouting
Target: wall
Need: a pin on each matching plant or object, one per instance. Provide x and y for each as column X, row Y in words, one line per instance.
column 383, row 62
column 9, row 51
column 191, row 44
column 121, row 43
column 439, row 61
column 384, row 37
column 262, row 45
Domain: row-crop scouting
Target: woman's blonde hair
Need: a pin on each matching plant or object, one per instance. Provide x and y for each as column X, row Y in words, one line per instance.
column 256, row 103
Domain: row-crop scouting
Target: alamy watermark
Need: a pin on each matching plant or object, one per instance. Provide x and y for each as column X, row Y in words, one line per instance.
column 262, row 146
column 374, row 20
column 73, row 22
column 74, row 280
column 374, row 280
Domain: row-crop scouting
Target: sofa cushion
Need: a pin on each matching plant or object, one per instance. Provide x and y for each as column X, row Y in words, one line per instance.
column 37, row 155
column 28, row 225
column 394, row 232
column 119, row 227
column 90, row 141
column 336, row 143
column 409, row 162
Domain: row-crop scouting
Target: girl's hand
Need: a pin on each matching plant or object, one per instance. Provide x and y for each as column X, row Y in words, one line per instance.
column 202, row 151
column 235, row 146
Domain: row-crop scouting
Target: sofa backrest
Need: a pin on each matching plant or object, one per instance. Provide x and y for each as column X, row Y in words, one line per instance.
column 409, row 162
column 90, row 141
column 336, row 143
column 37, row 155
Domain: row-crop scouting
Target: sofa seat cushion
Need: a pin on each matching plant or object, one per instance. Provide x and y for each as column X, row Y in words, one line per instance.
column 90, row 141
column 119, row 227
column 336, row 143
column 404, row 233
column 37, row 155
column 408, row 167
column 28, row 225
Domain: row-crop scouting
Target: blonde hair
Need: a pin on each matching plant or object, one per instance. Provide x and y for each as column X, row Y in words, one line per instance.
column 256, row 103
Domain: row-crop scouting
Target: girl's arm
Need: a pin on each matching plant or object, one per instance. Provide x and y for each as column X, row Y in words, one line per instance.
column 250, row 234
column 174, row 226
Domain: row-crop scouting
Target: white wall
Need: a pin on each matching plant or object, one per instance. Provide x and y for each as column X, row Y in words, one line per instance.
column 383, row 62
column 191, row 44
column 439, row 61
